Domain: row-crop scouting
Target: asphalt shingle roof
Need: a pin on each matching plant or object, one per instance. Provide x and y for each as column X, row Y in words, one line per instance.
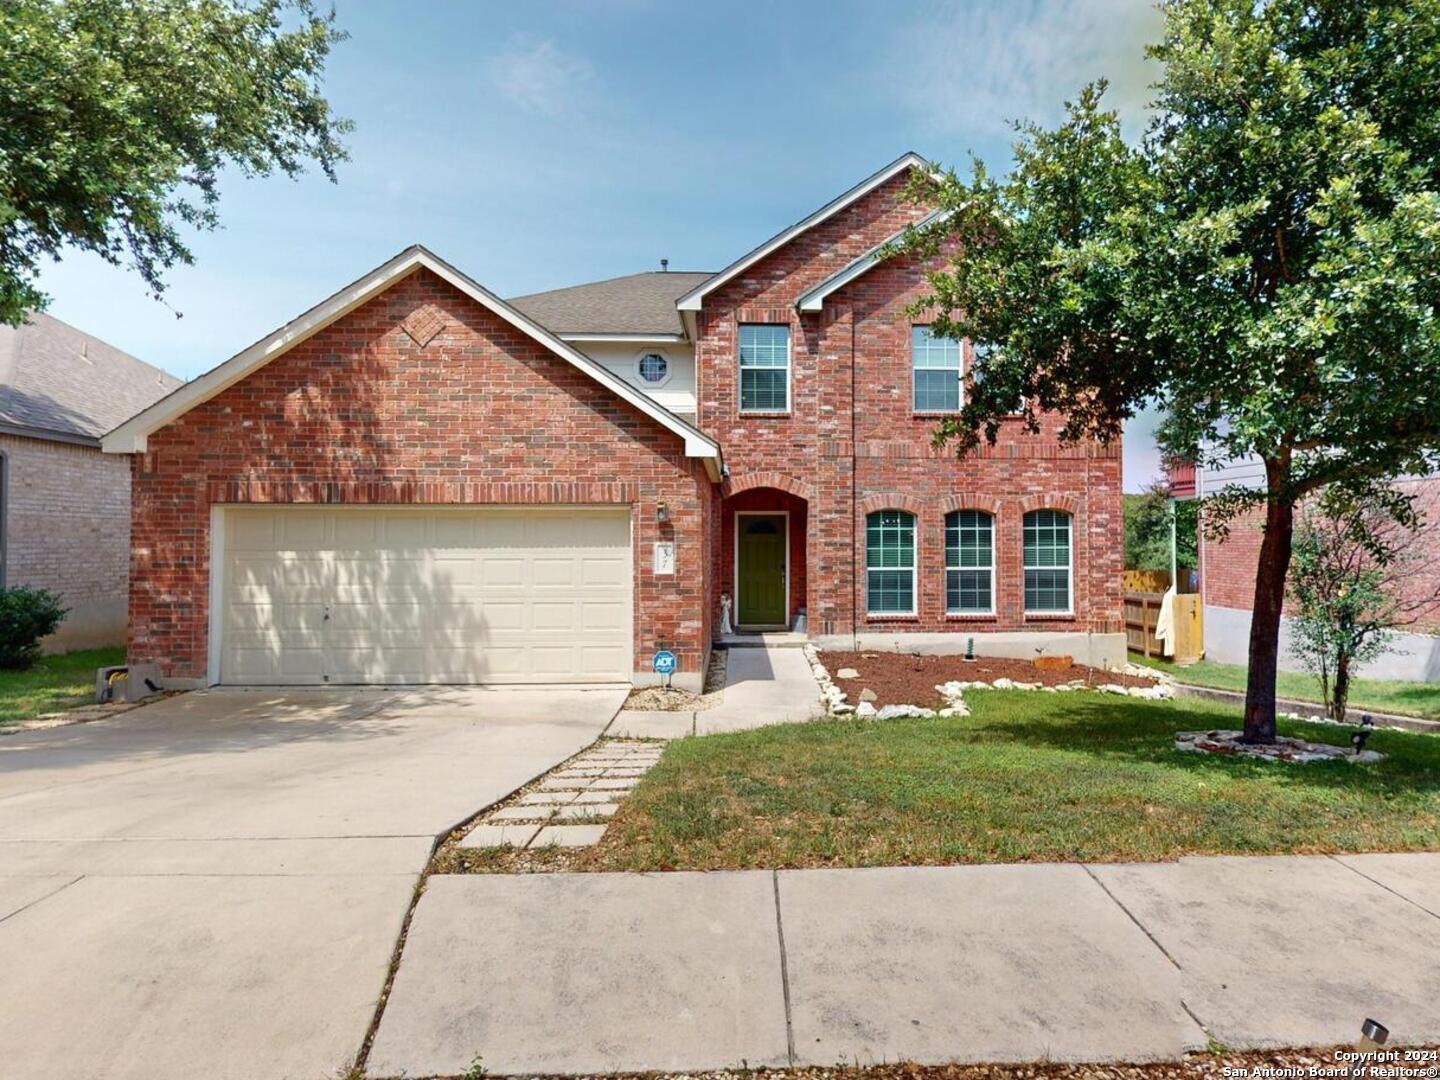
column 58, row 380
column 634, row 304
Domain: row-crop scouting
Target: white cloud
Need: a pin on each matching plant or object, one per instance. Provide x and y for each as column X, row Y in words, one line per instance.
column 535, row 74
column 968, row 67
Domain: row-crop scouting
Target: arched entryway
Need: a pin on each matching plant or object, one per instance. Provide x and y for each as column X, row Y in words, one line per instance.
column 762, row 558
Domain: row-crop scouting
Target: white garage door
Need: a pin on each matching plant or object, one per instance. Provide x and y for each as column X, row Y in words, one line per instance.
column 425, row 595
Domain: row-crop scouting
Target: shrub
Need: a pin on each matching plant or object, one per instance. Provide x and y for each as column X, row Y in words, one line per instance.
column 26, row 616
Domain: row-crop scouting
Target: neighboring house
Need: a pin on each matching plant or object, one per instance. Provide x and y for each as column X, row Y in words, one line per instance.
column 1227, row 577
column 417, row 481
column 65, row 506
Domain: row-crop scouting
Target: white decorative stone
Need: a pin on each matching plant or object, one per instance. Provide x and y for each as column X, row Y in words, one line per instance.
column 865, row 709
column 847, row 673
column 896, row 712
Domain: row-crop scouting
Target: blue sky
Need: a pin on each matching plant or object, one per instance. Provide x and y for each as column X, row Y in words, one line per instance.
column 538, row 145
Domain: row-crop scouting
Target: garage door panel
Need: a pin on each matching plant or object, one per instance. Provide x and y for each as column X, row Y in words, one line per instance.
column 433, row 595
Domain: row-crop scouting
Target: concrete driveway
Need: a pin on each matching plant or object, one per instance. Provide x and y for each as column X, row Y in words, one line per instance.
column 213, row 885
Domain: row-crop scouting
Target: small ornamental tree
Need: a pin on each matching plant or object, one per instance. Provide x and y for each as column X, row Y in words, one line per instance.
column 1360, row 570
column 1264, row 265
column 117, row 118
column 26, row 616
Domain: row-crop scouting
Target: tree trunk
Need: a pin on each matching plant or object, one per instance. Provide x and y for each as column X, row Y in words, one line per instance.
column 1265, row 619
column 1340, row 695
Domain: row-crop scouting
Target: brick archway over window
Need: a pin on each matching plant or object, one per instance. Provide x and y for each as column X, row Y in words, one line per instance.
column 951, row 503
column 870, row 503
column 767, row 479
column 1049, row 502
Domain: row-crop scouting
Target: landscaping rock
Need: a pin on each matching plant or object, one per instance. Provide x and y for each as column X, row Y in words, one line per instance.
column 865, row 709
column 895, row 712
column 867, row 695
column 847, row 673
column 1054, row 663
column 1297, row 751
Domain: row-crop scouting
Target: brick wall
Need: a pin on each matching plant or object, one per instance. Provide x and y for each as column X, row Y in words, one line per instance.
column 1228, row 568
column 852, row 442
column 360, row 414
column 67, row 528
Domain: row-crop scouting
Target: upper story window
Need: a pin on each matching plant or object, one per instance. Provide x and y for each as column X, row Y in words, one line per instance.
column 653, row 368
column 969, row 563
column 890, row 563
column 936, row 366
column 1047, row 563
column 764, row 368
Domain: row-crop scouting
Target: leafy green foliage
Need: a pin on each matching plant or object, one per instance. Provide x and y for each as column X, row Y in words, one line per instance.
column 1147, row 530
column 1351, row 564
column 26, row 616
column 117, row 118
column 1264, row 265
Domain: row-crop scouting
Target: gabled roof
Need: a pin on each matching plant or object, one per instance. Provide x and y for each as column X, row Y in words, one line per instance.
column 59, row 383
column 130, row 437
column 813, row 299
column 636, row 304
column 691, row 301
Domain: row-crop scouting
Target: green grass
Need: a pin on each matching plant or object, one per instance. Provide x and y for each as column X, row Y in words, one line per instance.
column 54, row 683
column 1382, row 695
column 1028, row 777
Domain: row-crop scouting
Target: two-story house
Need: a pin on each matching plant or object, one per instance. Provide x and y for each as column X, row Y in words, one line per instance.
column 417, row 481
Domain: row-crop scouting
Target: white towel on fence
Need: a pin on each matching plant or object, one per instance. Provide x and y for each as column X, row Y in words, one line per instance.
column 1165, row 622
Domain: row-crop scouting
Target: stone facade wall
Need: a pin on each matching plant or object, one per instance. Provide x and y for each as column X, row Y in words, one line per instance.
column 67, row 529
column 360, row 413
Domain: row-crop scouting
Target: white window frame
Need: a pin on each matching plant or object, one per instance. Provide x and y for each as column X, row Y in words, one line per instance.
column 961, row 613
column 640, row 379
column 914, row 608
column 1069, row 569
column 741, row 366
column 959, row 375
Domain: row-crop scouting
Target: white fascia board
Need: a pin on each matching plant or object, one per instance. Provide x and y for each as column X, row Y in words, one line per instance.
column 813, row 299
column 130, row 437
column 692, row 300
column 623, row 338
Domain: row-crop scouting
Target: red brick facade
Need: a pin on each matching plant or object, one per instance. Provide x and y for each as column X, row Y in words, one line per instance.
column 1227, row 569
column 485, row 414
column 359, row 413
column 851, row 442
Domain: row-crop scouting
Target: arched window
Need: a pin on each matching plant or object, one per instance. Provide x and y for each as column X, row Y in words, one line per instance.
column 890, row 563
column 1048, row 563
column 969, row 563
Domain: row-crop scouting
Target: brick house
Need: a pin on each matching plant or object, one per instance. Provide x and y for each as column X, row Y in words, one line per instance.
column 419, row 481
column 65, row 506
column 1227, row 578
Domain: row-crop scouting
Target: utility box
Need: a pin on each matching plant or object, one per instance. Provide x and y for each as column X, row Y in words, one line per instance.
column 133, row 682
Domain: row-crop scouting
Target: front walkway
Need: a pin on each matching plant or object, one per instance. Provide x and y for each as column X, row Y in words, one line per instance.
column 762, row 686
column 593, row 973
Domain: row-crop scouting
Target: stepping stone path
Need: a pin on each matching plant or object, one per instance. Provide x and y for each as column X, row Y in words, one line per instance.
column 567, row 807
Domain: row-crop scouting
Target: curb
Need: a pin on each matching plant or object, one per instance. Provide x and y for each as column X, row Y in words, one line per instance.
column 1312, row 710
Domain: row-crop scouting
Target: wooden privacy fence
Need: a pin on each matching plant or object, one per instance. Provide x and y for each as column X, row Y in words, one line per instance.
column 1142, row 611
column 1145, row 580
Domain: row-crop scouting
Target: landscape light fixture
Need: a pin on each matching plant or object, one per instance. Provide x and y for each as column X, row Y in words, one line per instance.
column 1357, row 740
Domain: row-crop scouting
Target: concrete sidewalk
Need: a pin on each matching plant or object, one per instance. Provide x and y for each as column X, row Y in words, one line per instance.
column 592, row 973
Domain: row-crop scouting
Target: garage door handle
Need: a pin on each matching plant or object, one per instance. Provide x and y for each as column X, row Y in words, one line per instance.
column 327, row 614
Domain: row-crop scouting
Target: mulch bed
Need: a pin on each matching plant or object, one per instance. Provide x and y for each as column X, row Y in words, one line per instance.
column 907, row 679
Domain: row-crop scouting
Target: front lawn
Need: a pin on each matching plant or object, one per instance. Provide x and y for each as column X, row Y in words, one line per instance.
column 1027, row 777
column 1382, row 695
column 54, row 683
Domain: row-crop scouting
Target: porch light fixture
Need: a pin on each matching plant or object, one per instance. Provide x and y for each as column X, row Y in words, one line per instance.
column 662, row 513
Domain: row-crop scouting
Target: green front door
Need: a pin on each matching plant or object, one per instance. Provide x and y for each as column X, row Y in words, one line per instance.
column 760, row 573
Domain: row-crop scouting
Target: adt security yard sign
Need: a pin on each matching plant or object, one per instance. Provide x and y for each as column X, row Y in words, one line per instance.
column 664, row 663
